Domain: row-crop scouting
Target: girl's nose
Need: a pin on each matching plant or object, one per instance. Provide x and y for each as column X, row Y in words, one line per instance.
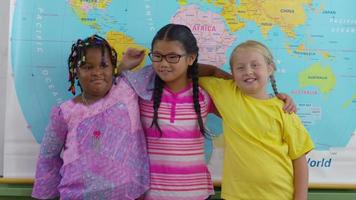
column 249, row 70
column 164, row 63
column 97, row 70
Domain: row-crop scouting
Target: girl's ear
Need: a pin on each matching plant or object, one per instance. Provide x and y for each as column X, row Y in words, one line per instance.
column 191, row 58
column 271, row 68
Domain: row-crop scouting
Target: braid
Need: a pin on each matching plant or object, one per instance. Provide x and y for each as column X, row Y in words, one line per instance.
column 74, row 60
column 71, row 70
column 157, row 94
column 77, row 57
column 273, row 83
column 193, row 73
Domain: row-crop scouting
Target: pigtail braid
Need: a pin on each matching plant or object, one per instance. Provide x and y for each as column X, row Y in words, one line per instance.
column 193, row 73
column 74, row 62
column 273, row 83
column 157, row 94
column 71, row 69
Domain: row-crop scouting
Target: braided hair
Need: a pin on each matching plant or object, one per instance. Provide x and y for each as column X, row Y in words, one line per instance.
column 266, row 53
column 77, row 57
column 182, row 34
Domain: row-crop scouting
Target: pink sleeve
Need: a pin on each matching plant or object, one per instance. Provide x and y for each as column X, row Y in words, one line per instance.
column 142, row 81
column 208, row 101
column 49, row 162
column 211, row 105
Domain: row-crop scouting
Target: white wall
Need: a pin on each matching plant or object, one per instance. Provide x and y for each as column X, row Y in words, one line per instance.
column 4, row 55
column 18, row 149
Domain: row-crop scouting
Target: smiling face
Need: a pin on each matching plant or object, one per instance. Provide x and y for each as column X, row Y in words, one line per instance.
column 173, row 74
column 96, row 74
column 251, row 71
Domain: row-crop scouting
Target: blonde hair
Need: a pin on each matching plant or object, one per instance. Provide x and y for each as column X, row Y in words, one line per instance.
column 264, row 51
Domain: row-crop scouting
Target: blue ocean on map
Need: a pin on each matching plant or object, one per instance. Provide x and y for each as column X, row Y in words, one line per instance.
column 320, row 50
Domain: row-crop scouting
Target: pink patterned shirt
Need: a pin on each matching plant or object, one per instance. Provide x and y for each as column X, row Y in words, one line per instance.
column 103, row 150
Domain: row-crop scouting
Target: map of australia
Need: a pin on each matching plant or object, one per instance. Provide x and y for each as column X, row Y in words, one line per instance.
column 318, row 76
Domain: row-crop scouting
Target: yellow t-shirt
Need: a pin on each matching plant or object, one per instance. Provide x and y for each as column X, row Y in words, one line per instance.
column 260, row 143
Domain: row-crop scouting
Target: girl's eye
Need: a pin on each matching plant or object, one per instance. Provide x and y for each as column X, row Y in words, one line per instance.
column 104, row 65
column 155, row 54
column 86, row 67
column 255, row 65
column 240, row 68
column 172, row 56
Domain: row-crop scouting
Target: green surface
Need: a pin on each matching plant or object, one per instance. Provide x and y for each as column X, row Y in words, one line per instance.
column 23, row 192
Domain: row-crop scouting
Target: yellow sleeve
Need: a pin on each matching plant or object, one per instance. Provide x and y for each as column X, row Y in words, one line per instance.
column 213, row 85
column 208, row 84
column 296, row 136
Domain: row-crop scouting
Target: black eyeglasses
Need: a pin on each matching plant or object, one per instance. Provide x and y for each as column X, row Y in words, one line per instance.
column 170, row 58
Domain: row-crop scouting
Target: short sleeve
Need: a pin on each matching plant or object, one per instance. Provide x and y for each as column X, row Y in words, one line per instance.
column 142, row 81
column 208, row 84
column 209, row 102
column 296, row 136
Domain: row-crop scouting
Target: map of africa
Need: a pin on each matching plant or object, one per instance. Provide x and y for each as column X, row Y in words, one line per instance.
column 313, row 42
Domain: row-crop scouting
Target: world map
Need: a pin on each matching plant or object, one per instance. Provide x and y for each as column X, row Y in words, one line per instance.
column 313, row 43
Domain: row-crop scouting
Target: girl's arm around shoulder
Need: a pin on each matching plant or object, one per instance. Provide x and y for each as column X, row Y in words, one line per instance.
column 142, row 81
column 210, row 70
column 49, row 162
column 289, row 105
column 301, row 176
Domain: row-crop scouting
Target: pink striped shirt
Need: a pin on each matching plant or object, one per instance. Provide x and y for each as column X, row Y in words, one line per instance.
column 177, row 164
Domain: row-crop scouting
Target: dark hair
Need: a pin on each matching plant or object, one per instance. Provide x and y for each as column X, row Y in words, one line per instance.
column 182, row 34
column 77, row 56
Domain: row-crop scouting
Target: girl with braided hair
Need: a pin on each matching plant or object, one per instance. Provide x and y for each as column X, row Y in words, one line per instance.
column 174, row 119
column 265, row 148
column 173, row 113
column 94, row 145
